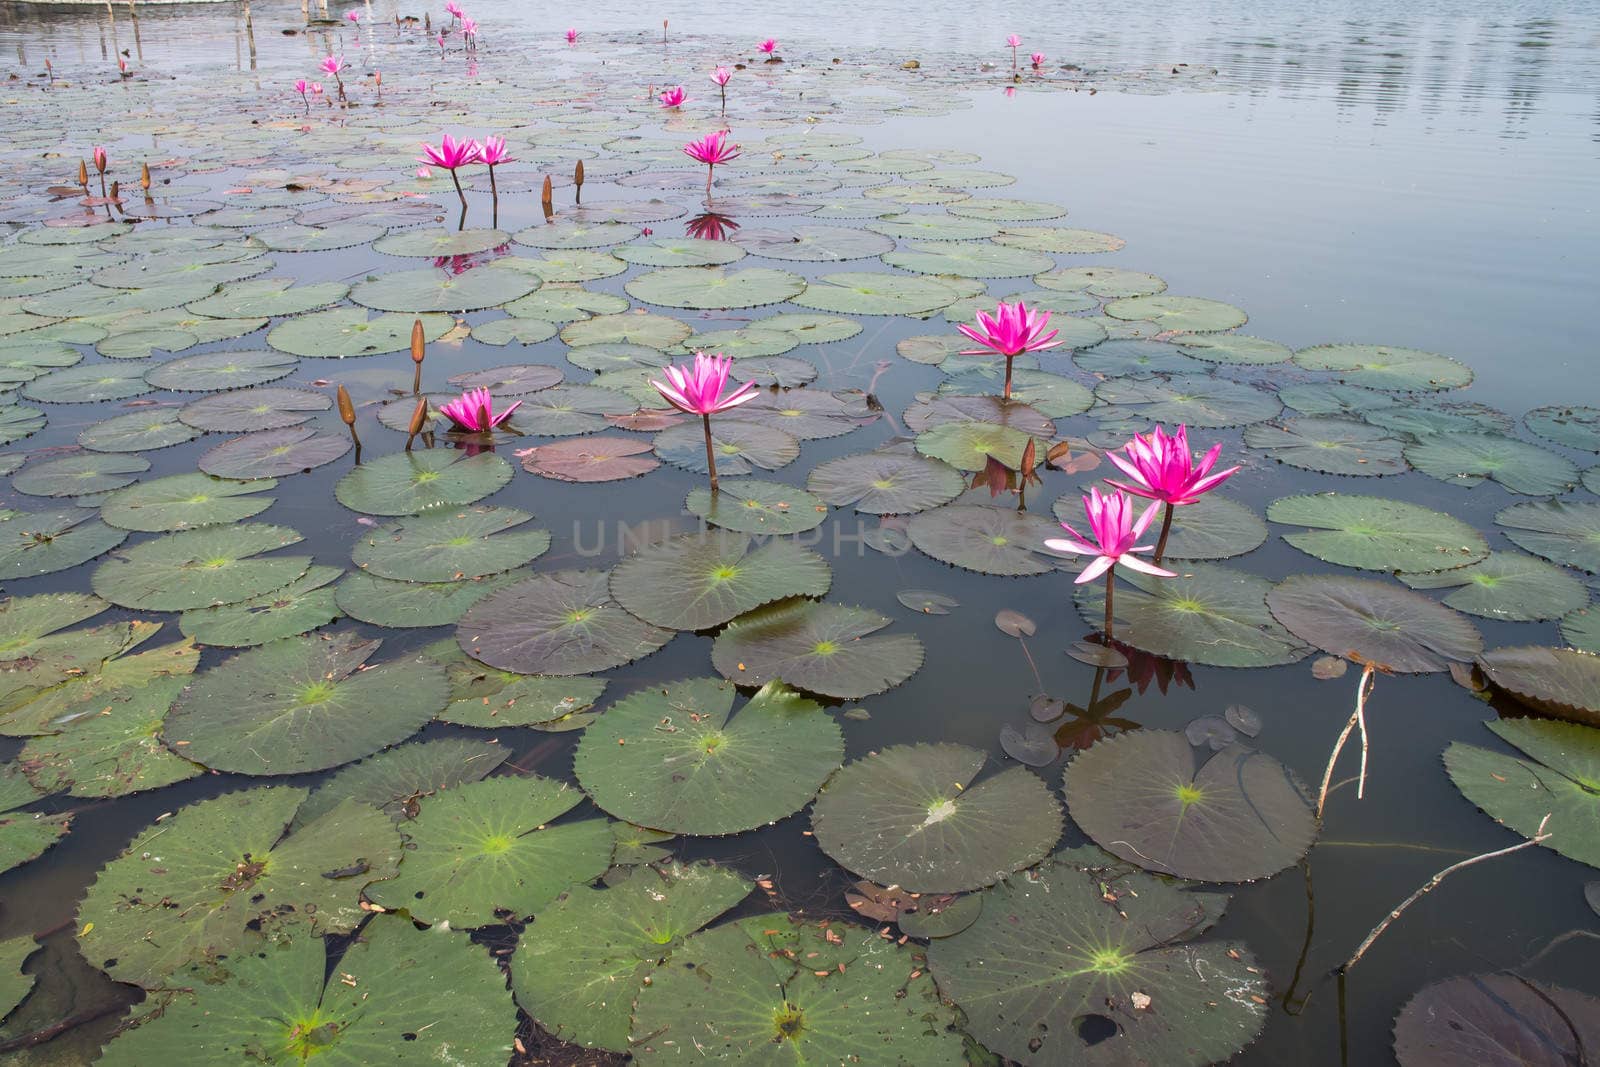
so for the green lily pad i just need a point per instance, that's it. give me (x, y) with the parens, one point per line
(196, 888)
(1420, 420)
(1469, 458)
(579, 973)
(1374, 622)
(1560, 777)
(1557, 681)
(560, 623)
(1328, 398)
(409, 483)
(185, 501)
(988, 540)
(515, 379)
(398, 995)
(667, 251)
(260, 408)
(1399, 370)
(18, 421)
(932, 228)
(1052, 395)
(782, 372)
(747, 505)
(384, 602)
(571, 409)
(869, 293)
(910, 816)
(575, 265)
(297, 238)
(269, 298)
(886, 483)
(1006, 209)
(1558, 531)
(24, 836)
(1085, 941)
(741, 447)
(112, 746)
(488, 698)
(14, 984)
(436, 289)
(1378, 534)
(274, 453)
(713, 288)
(1329, 446)
(566, 302)
(1235, 349)
(505, 331)
(1106, 282)
(451, 545)
(652, 331)
(397, 780)
(137, 431)
(969, 260)
(1509, 586)
(486, 849)
(200, 568)
(1061, 240)
(569, 233)
(1213, 527)
(210, 371)
(81, 475)
(1575, 427)
(1581, 630)
(669, 757)
(769, 989)
(1209, 403)
(43, 542)
(303, 704)
(442, 242)
(741, 344)
(1188, 314)
(702, 580)
(1115, 359)
(1148, 797)
(346, 332)
(300, 607)
(1499, 1019)
(821, 648)
(81, 385)
(33, 710)
(810, 243)
(1208, 614)
(968, 445)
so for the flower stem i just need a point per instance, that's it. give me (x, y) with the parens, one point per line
(493, 190)
(711, 456)
(1166, 528)
(1111, 577)
(710, 170)
(459, 193)
(1007, 394)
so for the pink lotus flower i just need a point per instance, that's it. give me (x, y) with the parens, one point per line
(711, 150)
(353, 16)
(452, 154)
(469, 30)
(316, 88)
(674, 97)
(697, 390)
(494, 152)
(572, 36)
(1037, 59)
(768, 46)
(1161, 468)
(721, 75)
(452, 9)
(647, 232)
(440, 39)
(1009, 332)
(473, 411)
(333, 65)
(1014, 42)
(1113, 533)
(302, 88)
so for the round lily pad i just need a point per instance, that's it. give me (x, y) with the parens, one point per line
(1208, 614)
(886, 483)
(409, 483)
(434, 289)
(18, 421)
(1560, 532)
(345, 332)
(811, 243)
(932, 228)
(303, 704)
(1557, 778)
(1495, 1020)
(821, 648)
(783, 372)
(220, 370)
(1399, 370)
(262, 408)
(1374, 622)
(1557, 681)
(297, 608)
(137, 431)
(1328, 398)
(1209, 403)
(1329, 446)
(1581, 630)
(570, 409)
(1083, 947)
(1105, 282)
(702, 580)
(200, 568)
(654, 331)
(750, 506)
(1150, 798)
(397, 780)
(43, 542)
(86, 384)
(1420, 420)
(569, 233)
(1575, 427)
(274, 453)
(868, 293)
(969, 445)
(740, 446)
(484, 697)
(184, 501)
(398, 995)
(603, 458)
(810, 415)
(670, 757)
(262, 298)
(1378, 534)
(408, 605)
(442, 242)
(1053, 395)
(1509, 586)
(297, 238)
(110, 748)
(1188, 314)
(1115, 359)
(969, 260)
(714, 288)
(91, 472)
(988, 540)
(226, 866)
(1006, 209)
(1468, 458)
(486, 850)
(1213, 527)
(1061, 240)
(450, 545)
(911, 816)
(560, 623)
(564, 303)
(1235, 348)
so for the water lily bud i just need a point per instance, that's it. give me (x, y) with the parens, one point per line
(144, 176)
(83, 173)
(116, 188)
(418, 342)
(577, 174)
(347, 410)
(546, 198)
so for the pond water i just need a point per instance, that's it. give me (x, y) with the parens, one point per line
(1339, 173)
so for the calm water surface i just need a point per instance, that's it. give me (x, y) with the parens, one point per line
(1422, 177)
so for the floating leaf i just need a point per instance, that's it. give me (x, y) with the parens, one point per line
(110, 748)
(196, 888)
(1560, 532)
(274, 453)
(1558, 778)
(486, 850)
(1400, 370)
(1468, 458)
(434, 289)
(671, 758)
(200, 568)
(1189, 314)
(1209, 403)
(969, 445)
(384, 602)
(43, 542)
(1083, 947)
(269, 298)
(713, 288)
(1509, 586)
(345, 332)
(442, 242)
(910, 816)
(570, 409)
(741, 447)
(184, 501)
(926, 601)
(1330, 399)
(868, 293)
(1114, 359)
(1378, 534)
(1329, 446)
(18, 421)
(560, 623)
(451, 545)
(1575, 427)
(1373, 622)
(757, 507)
(410, 483)
(397, 780)
(489, 698)
(79, 475)
(138, 431)
(603, 458)
(220, 370)
(969, 260)
(1213, 527)
(886, 483)
(303, 704)
(1235, 348)
(1495, 1020)
(299, 607)
(702, 580)
(263, 408)
(654, 331)
(984, 539)
(79, 385)
(821, 648)
(15, 985)
(1556, 681)
(24, 836)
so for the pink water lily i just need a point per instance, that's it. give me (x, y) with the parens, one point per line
(674, 97)
(1009, 332)
(768, 46)
(452, 154)
(1113, 531)
(696, 389)
(572, 36)
(1160, 467)
(452, 9)
(353, 16)
(711, 150)
(302, 87)
(469, 30)
(1037, 59)
(492, 154)
(333, 65)
(473, 411)
(720, 77)
(1013, 42)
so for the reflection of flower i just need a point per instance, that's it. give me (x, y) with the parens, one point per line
(710, 227)
(473, 411)
(1144, 668)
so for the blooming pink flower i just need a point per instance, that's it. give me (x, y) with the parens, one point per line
(1113, 531)
(301, 86)
(473, 411)
(647, 232)
(1013, 40)
(768, 46)
(721, 76)
(494, 152)
(572, 36)
(333, 65)
(316, 88)
(1037, 59)
(353, 16)
(451, 153)
(469, 28)
(1160, 467)
(711, 149)
(452, 9)
(440, 39)
(1010, 331)
(697, 388)
(674, 97)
